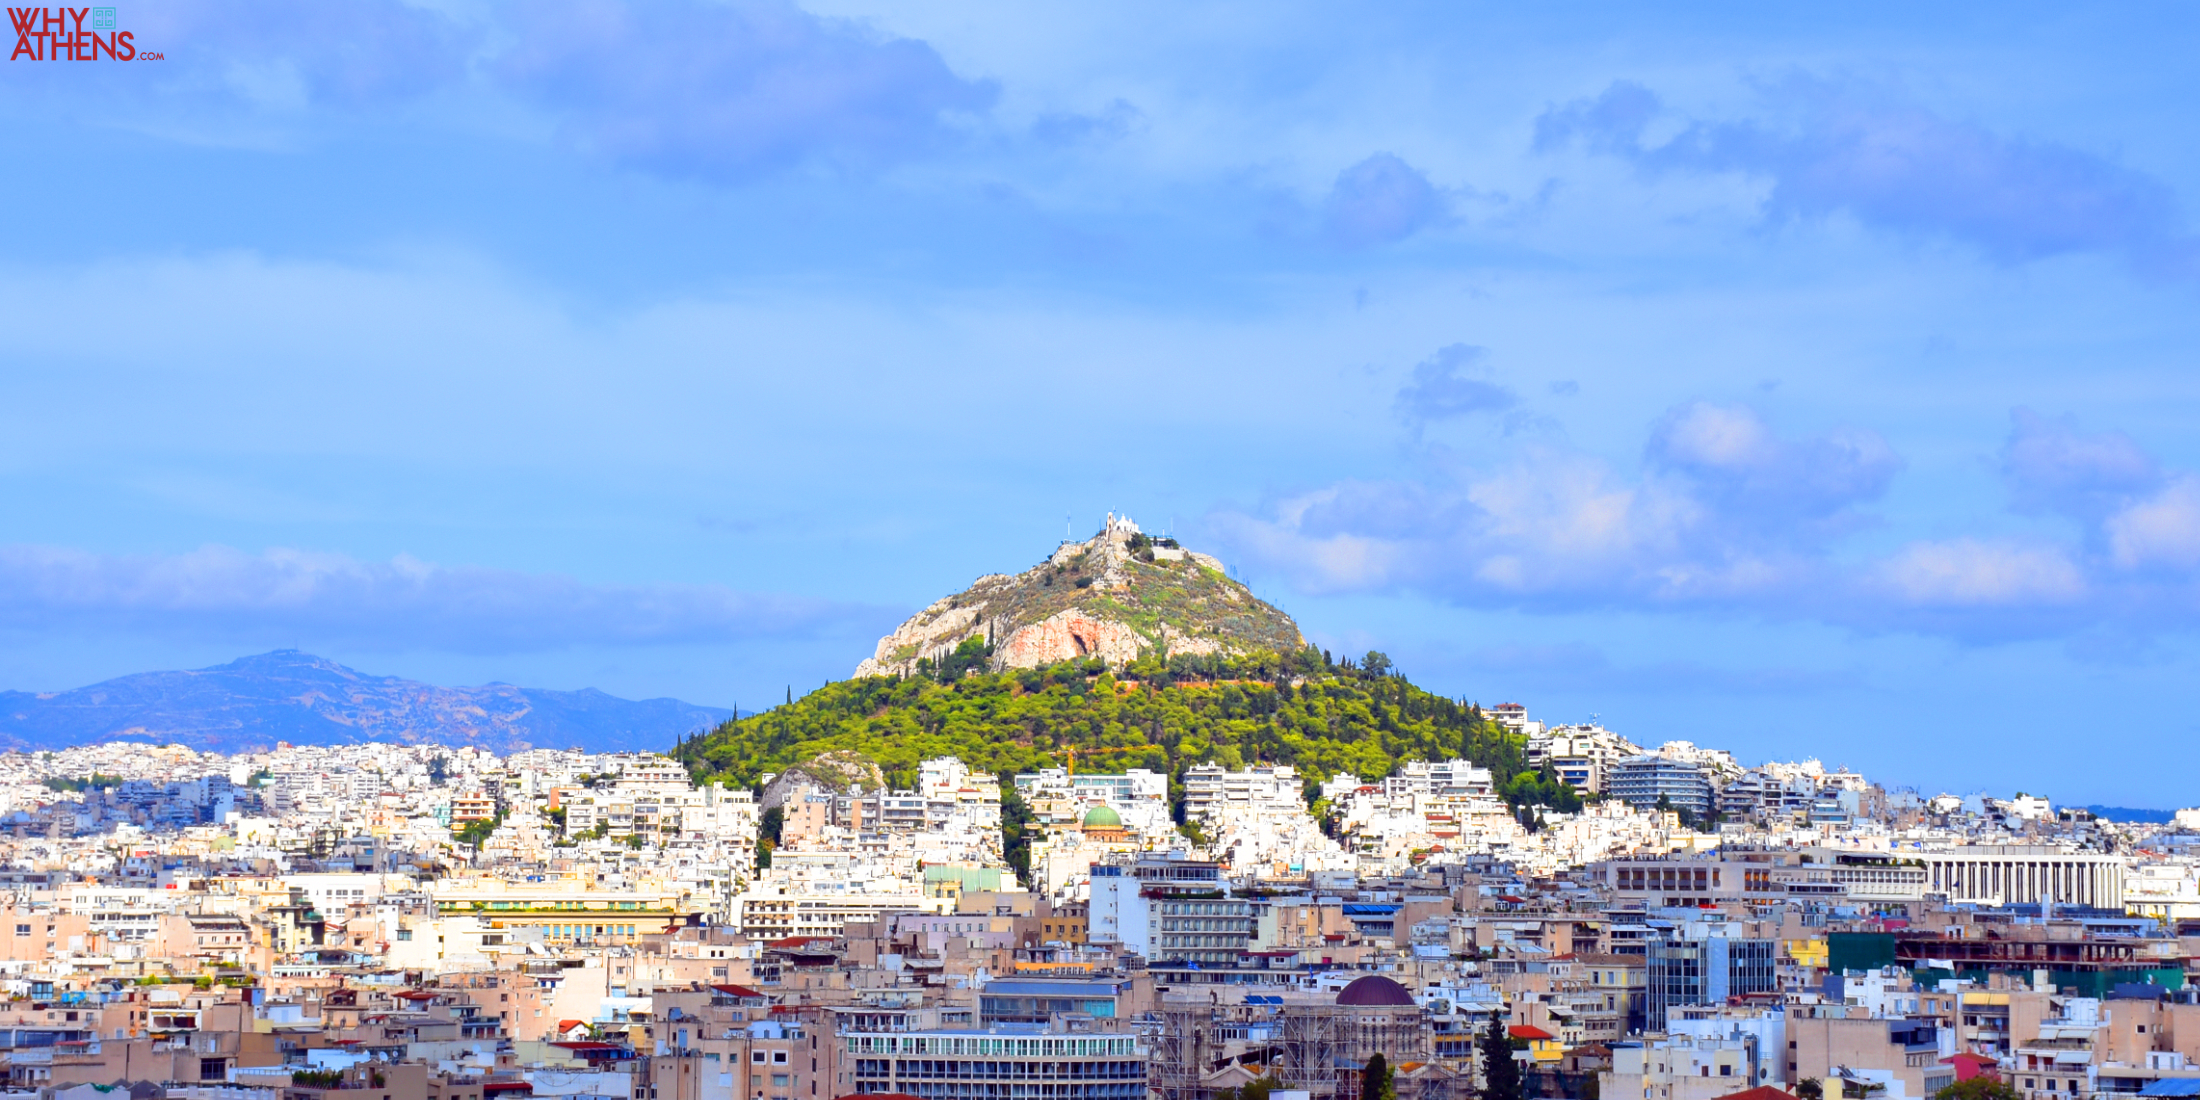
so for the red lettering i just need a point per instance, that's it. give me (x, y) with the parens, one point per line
(102, 42)
(22, 46)
(122, 43)
(78, 15)
(49, 22)
(23, 18)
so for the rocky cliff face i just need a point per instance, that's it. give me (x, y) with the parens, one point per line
(1114, 596)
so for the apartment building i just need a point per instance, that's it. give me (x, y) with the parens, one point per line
(1176, 913)
(1740, 874)
(1583, 756)
(1705, 966)
(1900, 1056)
(1649, 780)
(1208, 787)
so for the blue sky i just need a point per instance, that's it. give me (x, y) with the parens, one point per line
(1808, 382)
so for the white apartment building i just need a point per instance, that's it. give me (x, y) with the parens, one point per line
(1451, 779)
(1207, 787)
(1581, 755)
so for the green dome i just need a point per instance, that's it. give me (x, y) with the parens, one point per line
(1103, 817)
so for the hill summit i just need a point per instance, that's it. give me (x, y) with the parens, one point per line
(1115, 596)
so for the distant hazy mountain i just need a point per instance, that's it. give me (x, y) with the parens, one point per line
(290, 696)
(2126, 813)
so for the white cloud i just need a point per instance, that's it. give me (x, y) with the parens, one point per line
(295, 596)
(1728, 515)
(1831, 147)
(2050, 464)
(1380, 200)
(1721, 437)
(1975, 573)
(2158, 531)
(1552, 528)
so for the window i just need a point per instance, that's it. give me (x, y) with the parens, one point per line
(404, 935)
(25, 930)
(779, 1057)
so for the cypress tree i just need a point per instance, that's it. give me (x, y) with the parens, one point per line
(1375, 1082)
(1500, 1074)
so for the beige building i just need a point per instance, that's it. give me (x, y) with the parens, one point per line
(1828, 1042)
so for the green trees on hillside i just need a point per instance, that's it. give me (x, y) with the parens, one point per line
(477, 833)
(971, 655)
(92, 782)
(1016, 820)
(767, 836)
(1163, 714)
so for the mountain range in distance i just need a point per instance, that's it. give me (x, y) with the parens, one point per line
(252, 703)
(2127, 813)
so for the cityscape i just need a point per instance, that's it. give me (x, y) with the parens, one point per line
(976, 550)
(446, 922)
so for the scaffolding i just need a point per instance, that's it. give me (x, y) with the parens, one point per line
(1304, 1046)
(1182, 1052)
(1312, 1047)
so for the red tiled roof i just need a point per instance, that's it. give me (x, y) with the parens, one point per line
(1761, 1092)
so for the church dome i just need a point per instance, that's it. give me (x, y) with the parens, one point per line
(1374, 990)
(1102, 817)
